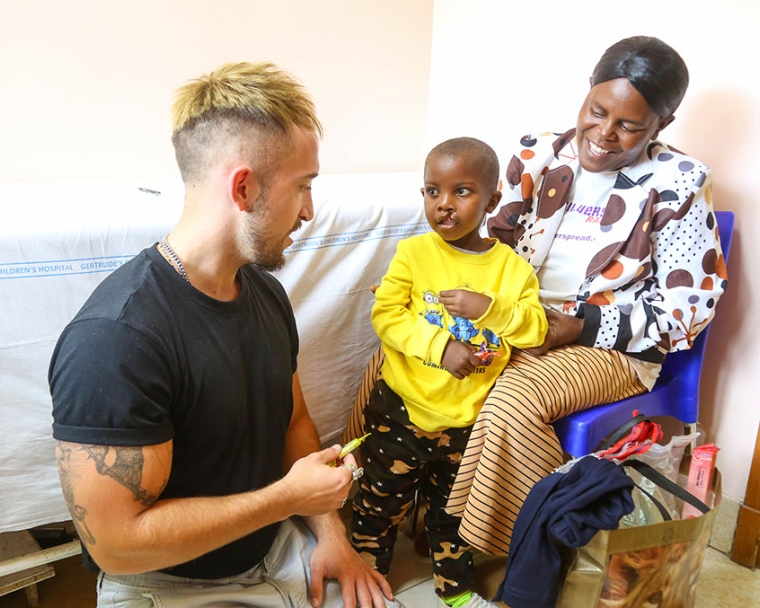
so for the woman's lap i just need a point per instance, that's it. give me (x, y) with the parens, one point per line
(513, 444)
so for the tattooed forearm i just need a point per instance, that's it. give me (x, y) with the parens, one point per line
(125, 465)
(78, 512)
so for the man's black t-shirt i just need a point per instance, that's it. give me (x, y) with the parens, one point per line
(150, 359)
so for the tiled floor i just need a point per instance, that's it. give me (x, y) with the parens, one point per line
(723, 584)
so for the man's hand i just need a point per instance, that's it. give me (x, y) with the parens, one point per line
(463, 303)
(563, 329)
(459, 359)
(334, 558)
(316, 487)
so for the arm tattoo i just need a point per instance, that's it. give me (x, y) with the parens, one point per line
(123, 464)
(78, 512)
(126, 468)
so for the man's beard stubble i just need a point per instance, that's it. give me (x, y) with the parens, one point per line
(260, 246)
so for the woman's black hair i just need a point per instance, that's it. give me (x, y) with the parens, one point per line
(653, 68)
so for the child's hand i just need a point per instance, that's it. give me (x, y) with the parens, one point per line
(463, 303)
(459, 359)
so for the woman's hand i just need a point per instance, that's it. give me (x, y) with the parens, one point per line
(563, 329)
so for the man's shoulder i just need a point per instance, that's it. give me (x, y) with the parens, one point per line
(127, 288)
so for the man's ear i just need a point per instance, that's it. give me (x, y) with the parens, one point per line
(664, 122)
(493, 201)
(242, 187)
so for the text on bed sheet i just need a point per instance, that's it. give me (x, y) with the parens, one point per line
(351, 238)
(55, 268)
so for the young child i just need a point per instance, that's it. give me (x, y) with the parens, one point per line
(448, 312)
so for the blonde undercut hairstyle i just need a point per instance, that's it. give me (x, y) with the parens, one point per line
(243, 109)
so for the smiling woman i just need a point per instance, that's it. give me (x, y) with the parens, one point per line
(635, 88)
(609, 218)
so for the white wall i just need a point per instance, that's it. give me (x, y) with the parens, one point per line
(87, 85)
(501, 69)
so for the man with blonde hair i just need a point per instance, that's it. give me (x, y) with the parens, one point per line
(186, 454)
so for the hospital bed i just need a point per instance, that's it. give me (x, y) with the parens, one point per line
(59, 240)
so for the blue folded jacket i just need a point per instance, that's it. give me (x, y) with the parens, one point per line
(566, 508)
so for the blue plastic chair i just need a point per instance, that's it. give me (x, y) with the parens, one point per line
(676, 392)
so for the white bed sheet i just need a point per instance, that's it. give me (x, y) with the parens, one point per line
(59, 240)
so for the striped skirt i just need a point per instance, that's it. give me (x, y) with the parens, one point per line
(513, 444)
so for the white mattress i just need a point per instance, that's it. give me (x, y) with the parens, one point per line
(58, 241)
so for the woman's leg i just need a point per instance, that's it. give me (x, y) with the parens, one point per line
(513, 444)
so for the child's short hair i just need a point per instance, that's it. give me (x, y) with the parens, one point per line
(249, 105)
(478, 151)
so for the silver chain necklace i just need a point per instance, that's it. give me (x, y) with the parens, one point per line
(174, 258)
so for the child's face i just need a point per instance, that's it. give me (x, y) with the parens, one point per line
(457, 200)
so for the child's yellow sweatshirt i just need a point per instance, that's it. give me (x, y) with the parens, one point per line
(415, 328)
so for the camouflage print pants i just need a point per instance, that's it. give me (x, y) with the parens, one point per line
(398, 459)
